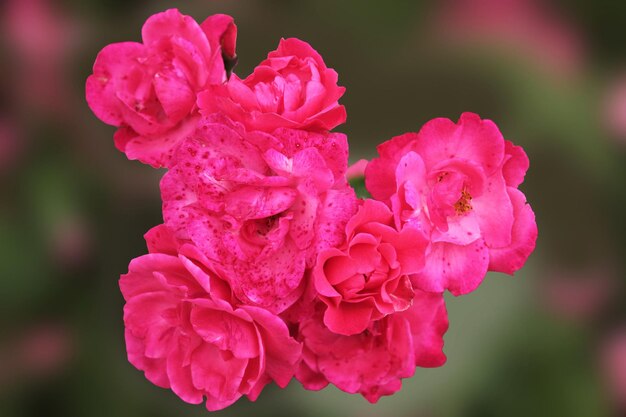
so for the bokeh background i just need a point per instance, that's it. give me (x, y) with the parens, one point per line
(549, 342)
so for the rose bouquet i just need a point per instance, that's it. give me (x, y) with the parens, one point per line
(268, 266)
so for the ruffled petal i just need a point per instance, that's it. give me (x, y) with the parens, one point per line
(459, 269)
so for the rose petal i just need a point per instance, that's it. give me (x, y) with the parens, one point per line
(459, 269)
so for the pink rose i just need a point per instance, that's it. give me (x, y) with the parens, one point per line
(612, 363)
(44, 38)
(149, 89)
(292, 88)
(374, 362)
(368, 278)
(458, 184)
(259, 206)
(539, 34)
(184, 333)
(614, 108)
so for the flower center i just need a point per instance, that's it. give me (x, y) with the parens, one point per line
(264, 226)
(463, 205)
(256, 231)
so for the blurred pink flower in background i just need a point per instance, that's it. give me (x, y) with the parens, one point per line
(41, 351)
(578, 295)
(528, 27)
(42, 38)
(71, 242)
(613, 366)
(615, 107)
(45, 349)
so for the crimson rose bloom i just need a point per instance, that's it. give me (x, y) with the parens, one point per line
(374, 361)
(260, 206)
(267, 265)
(149, 89)
(292, 88)
(458, 183)
(184, 333)
(369, 278)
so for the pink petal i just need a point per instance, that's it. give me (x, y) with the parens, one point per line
(221, 31)
(282, 351)
(327, 119)
(145, 312)
(179, 374)
(174, 93)
(111, 65)
(140, 278)
(494, 212)
(294, 47)
(337, 208)
(348, 318)
(217, 373)
(310, 164)
(429, 322)
(410, 248)
(154, 369)
(356, 170)
(371, 211)
(515, 165)
(471, 138)
(332, 147)
(160, 239)
(310, 379)
(158, 150)
(411, 168)
(320, 279)
(302, 229)
(220, 327)
(259, 202)
(459, 269)
(380, 173)
(171, 23)
(524, 236)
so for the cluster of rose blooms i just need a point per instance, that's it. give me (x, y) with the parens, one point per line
(268, 266)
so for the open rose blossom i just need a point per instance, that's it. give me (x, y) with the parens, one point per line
(458, 184)
(291, 88)
(369, 278)
(260, 206)
(149, 89)
(183, 331)
(267, 265)
(374, 361)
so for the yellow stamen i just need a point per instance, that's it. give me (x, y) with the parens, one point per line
(463, 205)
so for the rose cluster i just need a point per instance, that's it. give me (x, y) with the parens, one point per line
(268, 266)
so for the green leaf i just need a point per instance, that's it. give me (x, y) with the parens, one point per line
(358, 184)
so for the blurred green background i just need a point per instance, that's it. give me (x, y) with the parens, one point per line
(549, 342)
